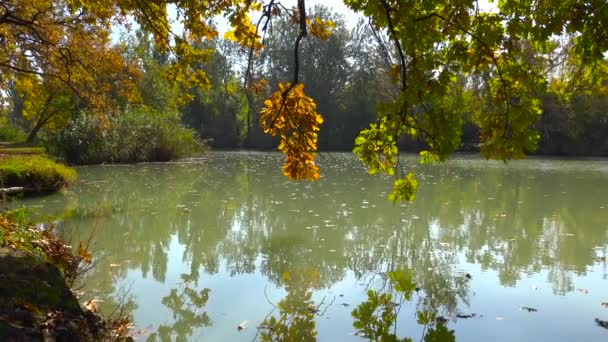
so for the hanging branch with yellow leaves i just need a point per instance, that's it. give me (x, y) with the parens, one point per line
(292, 114)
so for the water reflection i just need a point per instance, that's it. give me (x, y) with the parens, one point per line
(234, 215)
(187, 305)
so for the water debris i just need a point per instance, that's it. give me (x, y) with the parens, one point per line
(465, 316)
(601, 323)
(585, 291)
(345, 305)
(529, 309)
(567, 234)
(468, 276)
(535, 288)
(341, 295)
(242, 326)
(605, 305)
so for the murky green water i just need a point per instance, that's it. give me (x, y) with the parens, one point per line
(530, 233)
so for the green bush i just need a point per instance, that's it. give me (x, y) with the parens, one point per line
(136, 135)
(36, 173)
(10, 133)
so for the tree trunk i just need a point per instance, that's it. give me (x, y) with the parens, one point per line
(36, 129)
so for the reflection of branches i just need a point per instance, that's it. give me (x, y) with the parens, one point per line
(187, 311)
(375, 317)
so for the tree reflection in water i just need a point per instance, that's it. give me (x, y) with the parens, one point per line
(234, 215)
(187, 306)
(375, 319)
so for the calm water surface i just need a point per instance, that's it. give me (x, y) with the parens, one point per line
(200, 246)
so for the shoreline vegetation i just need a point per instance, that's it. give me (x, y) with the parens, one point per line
(32, 173)
(37, 274)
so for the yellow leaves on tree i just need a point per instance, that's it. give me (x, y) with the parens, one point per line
(292, 114)
(243, 31)
(320, 28)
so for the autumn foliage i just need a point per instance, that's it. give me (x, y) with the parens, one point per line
(292, 114)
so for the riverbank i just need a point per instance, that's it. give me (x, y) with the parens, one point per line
(37, 271)
(27, 170)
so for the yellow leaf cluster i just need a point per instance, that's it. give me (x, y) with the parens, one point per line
(292, 114)
(320, 28)
(243, 31)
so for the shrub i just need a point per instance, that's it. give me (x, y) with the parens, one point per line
(135, 135)
(34, 173)
(12, 134)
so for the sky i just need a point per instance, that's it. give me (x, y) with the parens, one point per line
(337, 6)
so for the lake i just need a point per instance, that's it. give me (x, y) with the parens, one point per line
(195, 248)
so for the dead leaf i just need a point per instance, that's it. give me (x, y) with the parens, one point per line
(466, 316)
(242, 326)
(84, 253)
(92, 305)
(602, 323)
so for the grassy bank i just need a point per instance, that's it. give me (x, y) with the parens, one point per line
(32, 173)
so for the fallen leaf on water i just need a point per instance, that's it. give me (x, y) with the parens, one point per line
(466, 316)
(242, 326)
(602, 323)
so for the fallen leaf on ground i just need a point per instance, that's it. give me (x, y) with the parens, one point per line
(91, 305)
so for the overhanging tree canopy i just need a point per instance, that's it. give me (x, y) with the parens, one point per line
(432, 44)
